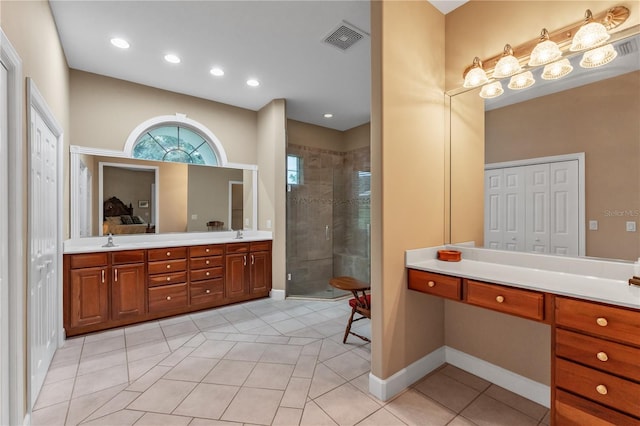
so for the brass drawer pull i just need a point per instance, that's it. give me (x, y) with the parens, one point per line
(168, 266)
(207, 262)
(601, 389)
(499, 299)
(168, 253)
(602, 322)
(208, 273)
(431, 284)
(602, 356)
(168, 278)
(168, 297)
(208, 291)
(207, 250)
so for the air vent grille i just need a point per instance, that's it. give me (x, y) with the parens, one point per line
(343, 37)
(627, 48)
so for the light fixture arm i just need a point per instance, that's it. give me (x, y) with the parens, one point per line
(610, 18)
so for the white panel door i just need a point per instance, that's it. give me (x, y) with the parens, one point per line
(537, 208)
(514, 207)
(43, 226)
(493, 208)
(564, 207)
(4, 246)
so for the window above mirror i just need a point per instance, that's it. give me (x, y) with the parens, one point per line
(175, 144)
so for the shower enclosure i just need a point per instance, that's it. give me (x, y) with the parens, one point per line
(328, 219)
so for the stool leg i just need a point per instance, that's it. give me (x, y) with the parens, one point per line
(348, 329)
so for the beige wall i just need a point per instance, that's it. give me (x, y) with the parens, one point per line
(209, 196)
(407, 167)
(357, 137)
(306, 134)
(607, 131)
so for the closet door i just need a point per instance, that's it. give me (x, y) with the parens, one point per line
(537, 208)
(514, 233)
(493, 208)
(564, 208)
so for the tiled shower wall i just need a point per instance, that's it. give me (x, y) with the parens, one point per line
(328, 217)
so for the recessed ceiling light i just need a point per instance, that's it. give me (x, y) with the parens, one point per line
(120, 42)
(172, 58)
(328, 115)
(218, 72)
(253, 82)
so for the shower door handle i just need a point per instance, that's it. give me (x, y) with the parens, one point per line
(326, 232)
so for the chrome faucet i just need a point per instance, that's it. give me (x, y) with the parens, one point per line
(109, 241)
(239, 234)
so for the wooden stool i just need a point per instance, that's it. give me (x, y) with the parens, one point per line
(361, 302)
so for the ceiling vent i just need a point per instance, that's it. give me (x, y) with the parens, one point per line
(627, 47)
(344, 36)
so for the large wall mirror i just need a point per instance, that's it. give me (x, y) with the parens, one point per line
(590, 116)
(160, 197)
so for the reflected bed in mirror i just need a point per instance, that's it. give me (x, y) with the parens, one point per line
(593, 116)
(167, 197)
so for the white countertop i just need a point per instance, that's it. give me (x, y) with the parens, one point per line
(147, 241)
(603, 281)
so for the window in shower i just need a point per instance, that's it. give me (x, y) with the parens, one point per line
(294, 170)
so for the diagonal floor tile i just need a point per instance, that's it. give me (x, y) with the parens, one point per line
(163, 396)
(263, 402)
(346, 405)
(207, 400)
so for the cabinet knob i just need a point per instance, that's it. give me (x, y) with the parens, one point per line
(602, 322)
(207, 262)
(601, 389)
(431, 284)
(602, 356)
(168, 266)
(168, 253)
(208, 291)
(208, 273)
(207, 250)
(168, 278)
(499, 299)
(168, 297)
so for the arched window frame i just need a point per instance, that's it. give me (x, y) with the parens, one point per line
(180, 120)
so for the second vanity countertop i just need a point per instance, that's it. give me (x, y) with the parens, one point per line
(588, 279)
(149, 241)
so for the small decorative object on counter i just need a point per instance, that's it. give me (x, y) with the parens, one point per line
(449, 255)
(634, 281)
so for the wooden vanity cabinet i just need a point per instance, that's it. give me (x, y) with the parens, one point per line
(167, 280)
(260, 268)
(128, 291)
(596, 364)
(86, 294)
(206, 275)
(248, 270)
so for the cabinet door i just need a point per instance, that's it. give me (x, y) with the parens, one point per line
(128, 291)
(236, 276)
(89, 302)
(260, 272)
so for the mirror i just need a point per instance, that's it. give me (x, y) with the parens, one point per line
(166, 197)
(595, 114)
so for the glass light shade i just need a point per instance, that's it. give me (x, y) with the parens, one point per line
(508, 65)
(544, 52)
(492, 90)
(557, 70)
(476, 75)
(589, 35)
(598, 57)
(521, 81)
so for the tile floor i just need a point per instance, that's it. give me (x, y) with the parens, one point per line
(259, 363)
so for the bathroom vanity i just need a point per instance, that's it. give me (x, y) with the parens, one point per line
(593, 312)
(143, 279)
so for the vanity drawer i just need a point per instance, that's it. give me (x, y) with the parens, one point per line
(601, 354)
(205, 274)
(603, 388)
(127, 256)
(167, 253)
(88, 260)
(435, 284)
(237, 248)
(164, 279)
(260, 245)
(205, 262)
(524, 303)
(167, 266)
(167, 297)
(618, 324)
(209, 250)
(205, 292)
(571, 410)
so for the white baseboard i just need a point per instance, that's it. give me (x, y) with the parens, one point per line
(509, 380)
(277, 294)
(385, 389)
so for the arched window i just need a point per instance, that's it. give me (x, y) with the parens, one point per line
(175, 138)
(174, 143)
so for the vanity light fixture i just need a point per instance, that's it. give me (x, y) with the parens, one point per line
(253, 82)
(546, 51)
(508, 64)
(492, 90)
(591, 34)
(218, 72)
(120, 42)
(476, 75)
(557, 70)
(598, 57)
(521, 81)
(171, 58)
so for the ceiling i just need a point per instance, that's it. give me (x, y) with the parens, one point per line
(280, 43)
